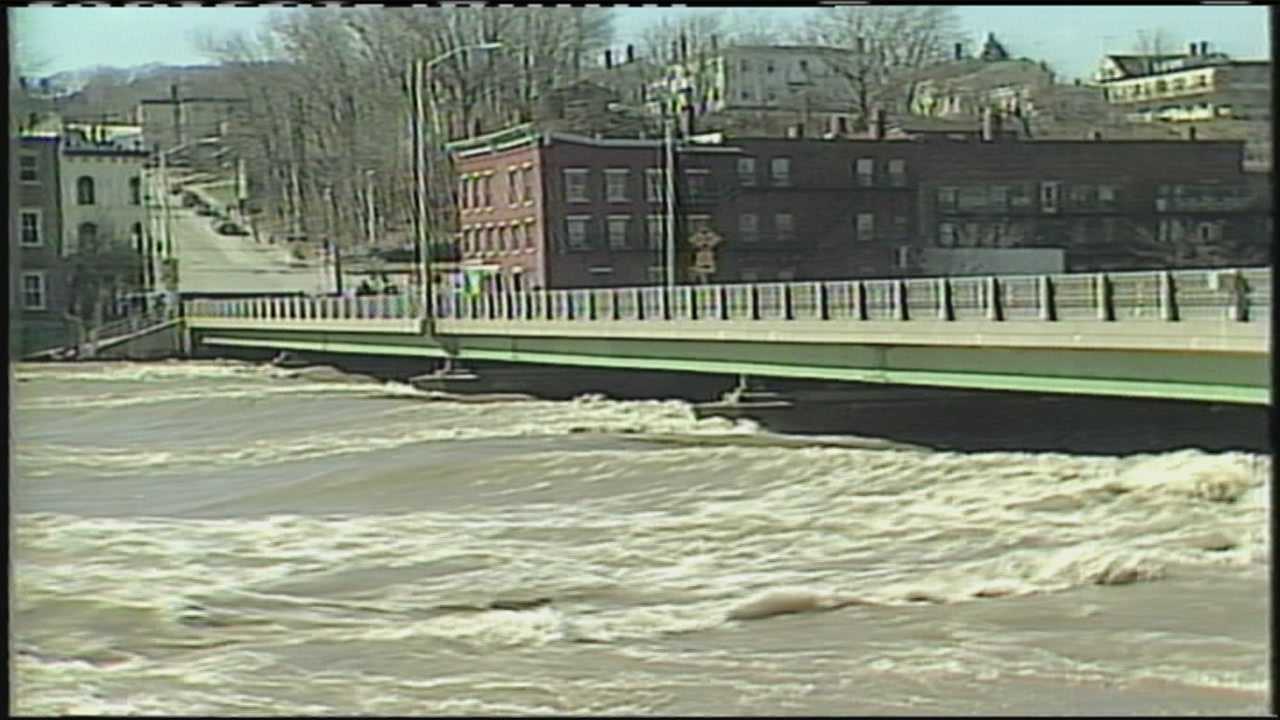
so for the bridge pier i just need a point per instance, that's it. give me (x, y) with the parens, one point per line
(450, 376)
(747, 394)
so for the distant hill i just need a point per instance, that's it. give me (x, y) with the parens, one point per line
(115, 92)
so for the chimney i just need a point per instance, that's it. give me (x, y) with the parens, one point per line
(1204, 48)
(173, 92)
(631, 53)
(715, 43)
(684, 48)
(1191, 133)
(1191, 49)
(878, 128)
(608, 59)
(959, 51)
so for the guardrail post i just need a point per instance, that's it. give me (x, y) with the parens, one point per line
(639, 301)
(1102, 287)
(859, 300)
(821, 299)
(944, 299)
(993, 298)
(754, 294)
(1044, 291)
(667, 299)
(900, 299)
(722, 305)
(1168, 311)
(1239, 289)
(591, 305)
(787, 312)
(691, 297)
(548, 312)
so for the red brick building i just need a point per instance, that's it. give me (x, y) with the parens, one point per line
(559, 210)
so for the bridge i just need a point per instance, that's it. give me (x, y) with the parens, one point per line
(1179, 334)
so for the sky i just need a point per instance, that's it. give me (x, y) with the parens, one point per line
(1069, 37)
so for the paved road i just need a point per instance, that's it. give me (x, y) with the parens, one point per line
(213, 263)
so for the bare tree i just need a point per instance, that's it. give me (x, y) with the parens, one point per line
(887, 48)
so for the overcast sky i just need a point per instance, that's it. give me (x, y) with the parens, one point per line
(1069, 37)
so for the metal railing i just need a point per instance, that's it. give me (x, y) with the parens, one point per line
(1234, 294)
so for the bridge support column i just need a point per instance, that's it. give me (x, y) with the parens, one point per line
(747, 394)
(449, 377)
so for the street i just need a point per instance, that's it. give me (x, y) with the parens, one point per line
(212, 263)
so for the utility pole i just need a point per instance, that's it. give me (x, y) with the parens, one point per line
(670, 196)
(420, 185)
(371, 220)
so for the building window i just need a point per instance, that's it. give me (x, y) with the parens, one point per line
(785, 226)
(768, 68)
(136, 233)
(749, 227)
(513, 187)
(1107, 196)
(744, 66)
(575, 185)
(577, 231)
(508, 239)
(528, 184)
(866, 227)
(462, 193)
(615, 184)
(488, 191)
(87, 235)
(804, 66)
(947, 234)
(999, 196)
(697, 183)
(1049, 192)
(653, 231)
(653, 184)
(947, 198)
(28, 168)
(898, 173)
(780, 171)
(522, 236)
(135, 190)
(84, 190)
(1018, 196)
(618, 226)
(747, 172)
(31, 235)
(33, 297)
(865, 171)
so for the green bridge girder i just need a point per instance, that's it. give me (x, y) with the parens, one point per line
(1215, 362)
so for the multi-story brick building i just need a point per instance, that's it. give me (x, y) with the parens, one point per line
(41, 282)
(556, 210)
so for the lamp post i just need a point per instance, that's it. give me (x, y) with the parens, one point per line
(419, 72)
(166, 230)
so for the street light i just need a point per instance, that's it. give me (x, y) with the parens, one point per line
(419, 72)
(166, 234)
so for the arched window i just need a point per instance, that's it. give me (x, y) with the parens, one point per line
(84, 190)
(87, 235)
(135, 190)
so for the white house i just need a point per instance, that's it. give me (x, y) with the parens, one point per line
(102, 191)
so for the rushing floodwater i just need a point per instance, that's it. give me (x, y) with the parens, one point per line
(223, 538)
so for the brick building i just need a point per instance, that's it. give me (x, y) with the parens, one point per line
(42, 278)
(558, 210)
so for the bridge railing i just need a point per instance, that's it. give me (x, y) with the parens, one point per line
(1231, 294)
